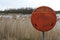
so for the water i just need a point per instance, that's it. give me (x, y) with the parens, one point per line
(58, 15)
(17, 16)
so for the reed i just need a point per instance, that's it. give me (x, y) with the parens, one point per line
(21, 29)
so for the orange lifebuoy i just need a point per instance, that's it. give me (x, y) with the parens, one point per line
(43, 18)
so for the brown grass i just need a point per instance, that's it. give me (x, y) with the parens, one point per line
(21, 29)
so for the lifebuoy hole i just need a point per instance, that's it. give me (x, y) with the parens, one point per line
(52, 24)
(35, 24)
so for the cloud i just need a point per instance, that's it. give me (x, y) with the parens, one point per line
(51, 3)
(29, 3)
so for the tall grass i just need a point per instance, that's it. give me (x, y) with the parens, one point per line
(20, 28)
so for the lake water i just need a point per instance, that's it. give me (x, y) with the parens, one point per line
(58, 15)
(21, 15)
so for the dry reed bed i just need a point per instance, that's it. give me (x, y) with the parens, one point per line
(21, 29)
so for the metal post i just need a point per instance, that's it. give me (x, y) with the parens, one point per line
(42, 35)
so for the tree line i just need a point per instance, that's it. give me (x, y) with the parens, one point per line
(20, 11)
(17, 11)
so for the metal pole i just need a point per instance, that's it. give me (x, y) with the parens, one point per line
(42, 35)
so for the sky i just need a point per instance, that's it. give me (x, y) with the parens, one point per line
(7, 4)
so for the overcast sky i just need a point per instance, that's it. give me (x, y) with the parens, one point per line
(6, 4)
